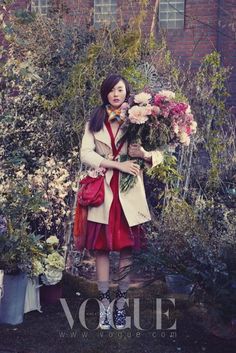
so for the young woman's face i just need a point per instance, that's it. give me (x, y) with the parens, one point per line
(117, 95)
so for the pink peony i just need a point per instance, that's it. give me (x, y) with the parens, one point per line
(178, 108)
(165, 111)
(148, 109)
(155, 110)
(137, 115)
(188, 130)
(159, 100)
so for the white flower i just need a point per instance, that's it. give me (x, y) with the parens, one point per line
(168, 94)
(51, 276)
(157, 157)
(184, 138)
(52, 240)
(193, 126)
(55, 260)
(43, 209)
(142, 98)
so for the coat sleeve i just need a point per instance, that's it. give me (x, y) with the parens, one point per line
(87, 150)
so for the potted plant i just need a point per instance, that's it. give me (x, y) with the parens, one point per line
(52, 270)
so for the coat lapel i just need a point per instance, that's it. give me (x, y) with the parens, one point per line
(121, 132)
(103, 136)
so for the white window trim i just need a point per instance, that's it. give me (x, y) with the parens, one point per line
(38, 8)
(110, 16)
(178, 18)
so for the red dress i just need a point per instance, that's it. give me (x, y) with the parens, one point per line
(117, 234)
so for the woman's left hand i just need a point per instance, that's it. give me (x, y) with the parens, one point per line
(135, 150)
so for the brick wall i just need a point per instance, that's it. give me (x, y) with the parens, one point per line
(78, 11)
(197, 38)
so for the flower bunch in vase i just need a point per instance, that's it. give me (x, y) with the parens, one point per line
(52, 264)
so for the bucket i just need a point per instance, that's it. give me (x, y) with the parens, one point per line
(13, 299)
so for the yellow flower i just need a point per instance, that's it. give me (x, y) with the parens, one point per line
(56, 260)
(52, 240)
(37, 267)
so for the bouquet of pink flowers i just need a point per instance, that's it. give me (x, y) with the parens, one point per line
(157, 121)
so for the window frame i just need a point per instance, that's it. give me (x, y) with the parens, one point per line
(38, 8)
(177, 17)
(109, 17)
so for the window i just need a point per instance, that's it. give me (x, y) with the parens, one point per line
(40, 6)
(104, 12)
(171, 13)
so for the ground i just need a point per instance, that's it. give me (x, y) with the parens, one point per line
(50, 332)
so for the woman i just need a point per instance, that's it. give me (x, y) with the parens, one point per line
(116, 224)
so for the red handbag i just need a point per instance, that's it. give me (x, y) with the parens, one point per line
(91, 192)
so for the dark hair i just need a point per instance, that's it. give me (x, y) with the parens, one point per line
(98, 116)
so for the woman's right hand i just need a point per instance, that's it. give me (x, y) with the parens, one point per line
(129, 167)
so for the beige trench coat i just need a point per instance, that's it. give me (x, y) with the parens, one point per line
(134, 203)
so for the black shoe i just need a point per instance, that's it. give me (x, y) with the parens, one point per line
(120, 318)
(120, 314)
(105, 316)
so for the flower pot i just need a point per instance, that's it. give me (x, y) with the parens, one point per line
(13, 300)
(50, 294)
(32, 295)
(178, 284)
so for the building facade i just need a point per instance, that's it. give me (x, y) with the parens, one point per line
(193, 28)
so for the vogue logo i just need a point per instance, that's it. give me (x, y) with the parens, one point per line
(159, 314)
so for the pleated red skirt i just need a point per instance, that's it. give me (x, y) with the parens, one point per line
(117, 234)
